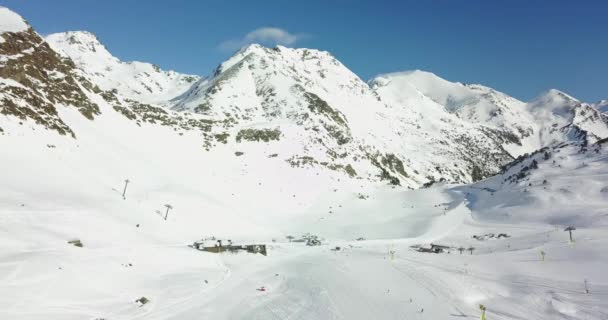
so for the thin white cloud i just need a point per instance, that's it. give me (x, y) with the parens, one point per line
(266, 36)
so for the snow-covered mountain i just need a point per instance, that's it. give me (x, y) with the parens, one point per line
(564, 118)
(279, 142)
(548, 185)
(550, 118)
(409, 128)
(140, 81)
(602, 105)
(35, 80)
(323, 110)
(11, 22)
(476, 104)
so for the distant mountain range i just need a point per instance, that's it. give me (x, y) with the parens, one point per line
(301, 106)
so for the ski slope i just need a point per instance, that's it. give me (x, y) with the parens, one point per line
(360, 281)
(59, 190)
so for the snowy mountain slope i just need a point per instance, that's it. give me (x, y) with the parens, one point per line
(521, 127)
(560, 114)
(311, 107)
(135, 80)
(356, 140)
(475, 104)
(554, 181)
(332, 112)
(601, 106)
(35, 81)
(76, 194)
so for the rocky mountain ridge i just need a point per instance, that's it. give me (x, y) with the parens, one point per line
(410, 128)
(136, 80)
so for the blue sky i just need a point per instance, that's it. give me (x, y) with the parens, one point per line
(521, 47)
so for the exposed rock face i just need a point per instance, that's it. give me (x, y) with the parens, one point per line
(35, 81)
(140, 81)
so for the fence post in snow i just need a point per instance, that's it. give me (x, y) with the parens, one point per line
(125, 189)
(168, 208)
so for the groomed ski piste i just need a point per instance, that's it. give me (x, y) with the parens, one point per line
(52, 195)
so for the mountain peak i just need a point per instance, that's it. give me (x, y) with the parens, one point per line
(417, 78)
(266, 54)
(251, 48)
(141, 81)
(80, 36)
(259, 48)
(262, 49)
(553, 99)
(421, 73)
(11, 21)
(555, 93)
(72, 43)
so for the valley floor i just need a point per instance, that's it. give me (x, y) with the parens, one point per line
(360, 281)
(364, 283)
